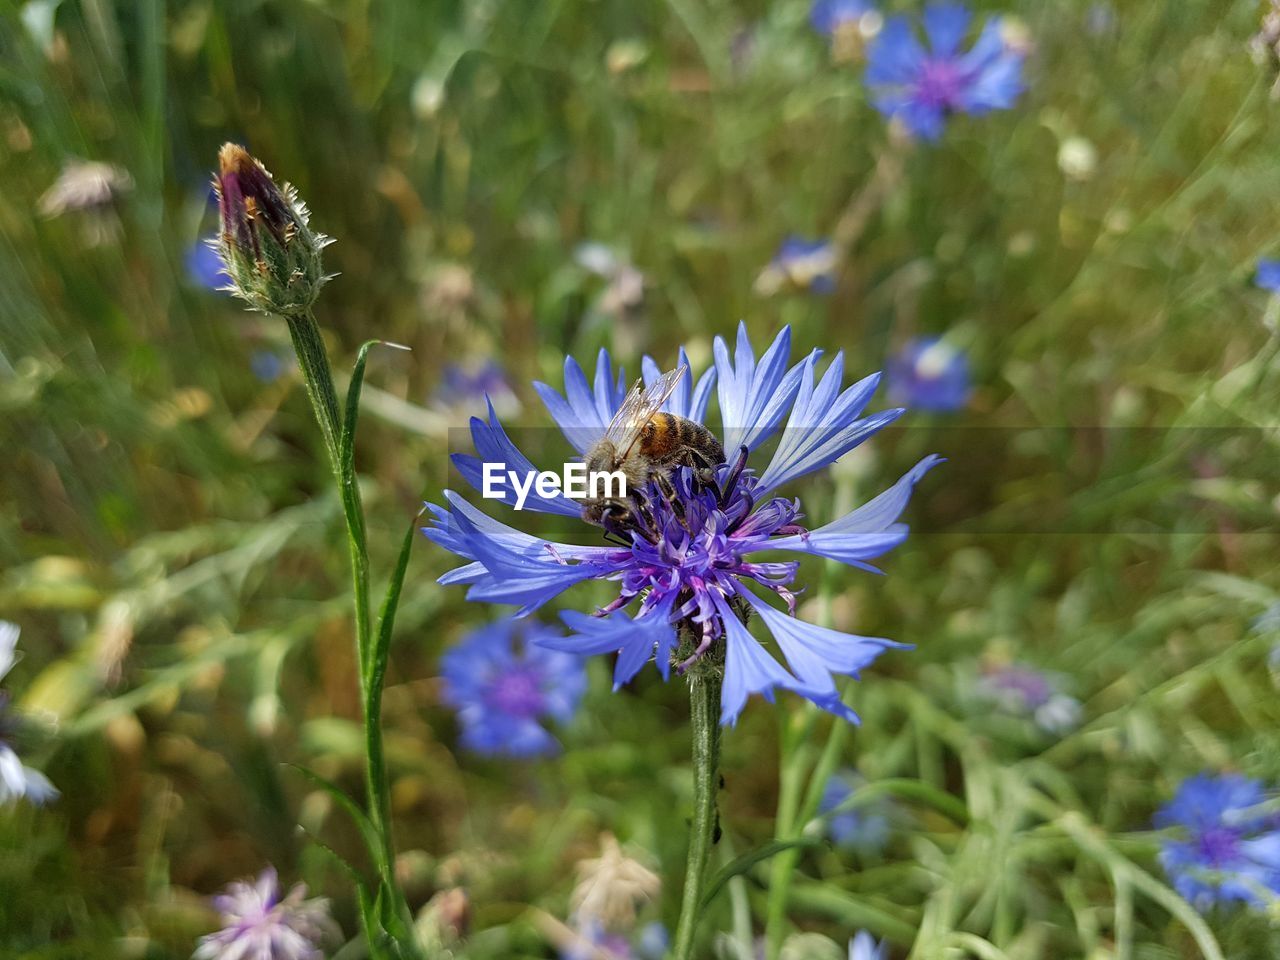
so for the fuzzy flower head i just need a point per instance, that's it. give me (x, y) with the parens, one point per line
(505, 686)
(930, 374)
(1228, 845)
(923, 84)
(688, 563)
(258, 924)
(267, 248)
(17, 781)
(800, 264)
(864, 829)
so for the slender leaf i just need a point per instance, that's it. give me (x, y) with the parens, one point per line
(740, 865)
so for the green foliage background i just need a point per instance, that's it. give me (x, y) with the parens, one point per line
(171, 547)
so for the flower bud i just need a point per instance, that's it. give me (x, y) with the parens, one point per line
(270, 254)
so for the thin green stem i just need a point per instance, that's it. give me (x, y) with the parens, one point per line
(314, 361)
(704, 709)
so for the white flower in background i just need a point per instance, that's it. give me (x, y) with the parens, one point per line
(17, 781)
(85, 185)
(258, 924)
(610, 886)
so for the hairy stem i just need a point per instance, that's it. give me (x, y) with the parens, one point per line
(318, 377)
(704, 704)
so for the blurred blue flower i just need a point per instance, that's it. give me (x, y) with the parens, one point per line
(593, 940)
(466, 386)
(259, 924)
(828, 16)
(504, 686)
(1024, 690)
(17, 781)
(1229, 849)
(923, 86)
(688, 559)
(267, 365)
(205, 267)
(929, 374)
(801, 265)
(864, 829)
(864, 947)
(1268, 275)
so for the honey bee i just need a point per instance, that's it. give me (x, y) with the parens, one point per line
(645, 443)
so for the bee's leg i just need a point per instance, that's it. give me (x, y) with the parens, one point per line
(704, 473)
(668, 491)
(612, 519)
(642, 510)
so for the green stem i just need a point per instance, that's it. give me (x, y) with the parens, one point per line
(704, 709)
(309, 346)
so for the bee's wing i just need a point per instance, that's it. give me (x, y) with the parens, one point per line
(638, 408)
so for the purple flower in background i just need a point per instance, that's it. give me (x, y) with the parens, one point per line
(260, 925)
(800, 264)
(17, 781)
(690, 561)
(504, 686)
(1229, 849)
(929, 374)
(1029, 692)
(1268, 275)
(865, 828)
(466, 386)
(922, 86)
(864, 947)
(829, 16)
(205, 267)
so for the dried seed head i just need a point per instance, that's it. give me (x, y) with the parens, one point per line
(271, 255)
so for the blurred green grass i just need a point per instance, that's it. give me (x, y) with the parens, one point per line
(170, 557)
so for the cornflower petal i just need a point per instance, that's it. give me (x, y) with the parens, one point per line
(754, 397)
(823, 425)
(866, 532)
(945, 24)
(494, 446)
(748, 667)
(584, 412)
(687, 400)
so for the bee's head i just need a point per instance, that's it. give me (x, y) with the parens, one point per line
(602, 458)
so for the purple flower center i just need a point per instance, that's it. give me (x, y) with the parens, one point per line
(940, 83)
(517, 694)
(1219, 846)
(689, 547)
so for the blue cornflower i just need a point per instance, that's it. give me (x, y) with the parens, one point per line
(1268, 275)
(205, 266)
(801, 265)
(691, 558)
(922, 87)
(260, 924)
(504, 686)
(17, 781)
(929, 374)
(864, 829)
(1230, 850)
(829, 16)
(864, 947)
(267, 365)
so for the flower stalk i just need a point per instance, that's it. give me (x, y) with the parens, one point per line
(705, 681)
(273, 260)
